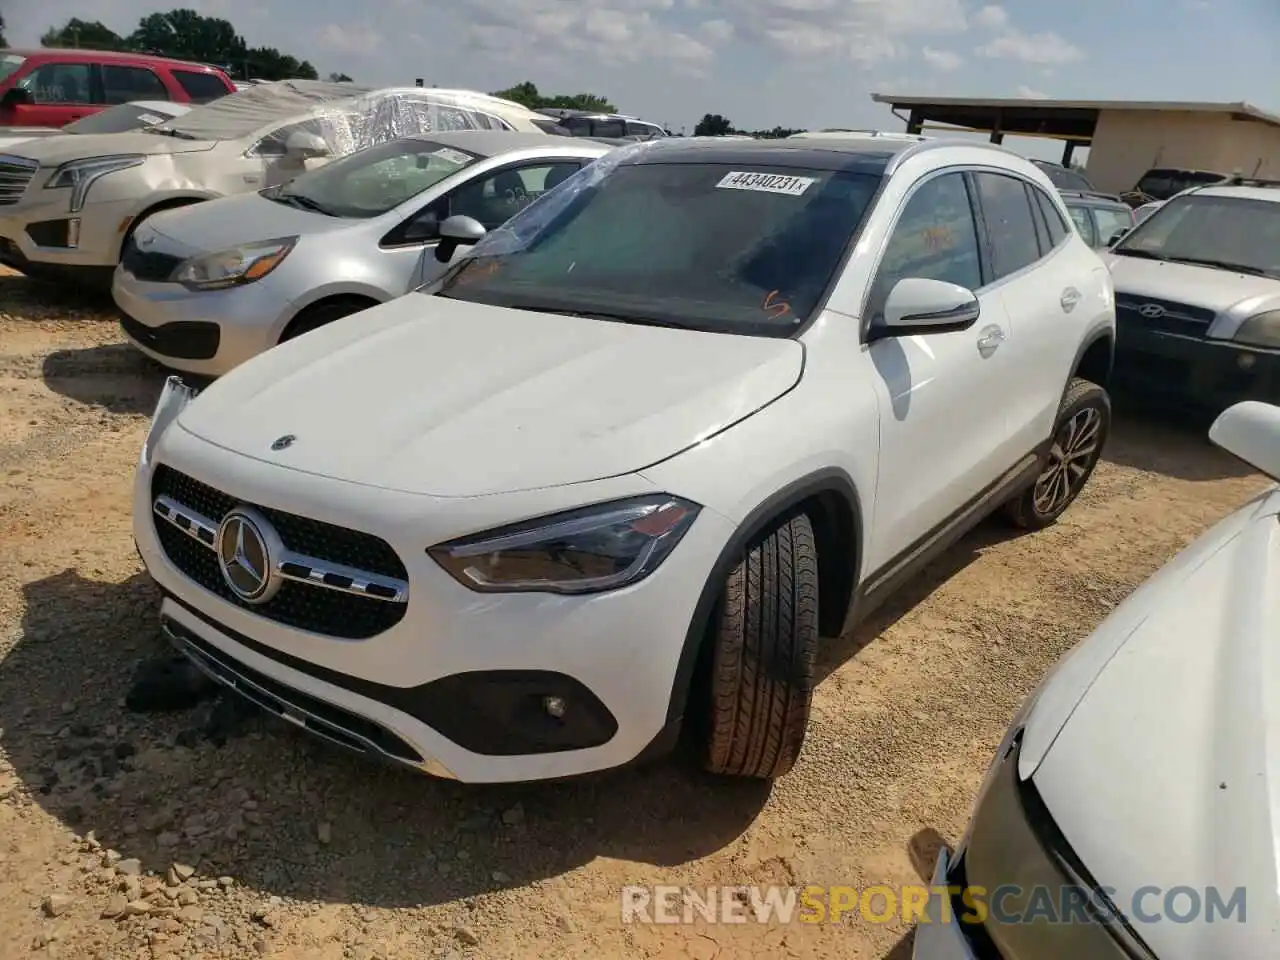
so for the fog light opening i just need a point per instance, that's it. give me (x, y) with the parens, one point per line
(554, 706)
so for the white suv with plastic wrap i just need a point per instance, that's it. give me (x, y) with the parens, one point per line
(624, 463)
(69, 203)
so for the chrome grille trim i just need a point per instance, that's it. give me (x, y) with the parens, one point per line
(15, 174)
(293, 566)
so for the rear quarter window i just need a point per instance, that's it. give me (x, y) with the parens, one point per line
(200, 87)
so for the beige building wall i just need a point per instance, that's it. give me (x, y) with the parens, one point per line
(1127, 143)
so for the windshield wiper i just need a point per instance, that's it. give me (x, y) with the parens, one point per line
(598, 315)
(177, 135)
(1221, 265)
(304, 202)
(1140, 254)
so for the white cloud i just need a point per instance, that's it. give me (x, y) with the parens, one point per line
(1043, 48)
(991, 17)
(943, 60)
(350, 39)
(717, 31)
(1030, 93)
(613, 31)
(863, 31)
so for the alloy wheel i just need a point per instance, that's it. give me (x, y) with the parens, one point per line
(1074, 450)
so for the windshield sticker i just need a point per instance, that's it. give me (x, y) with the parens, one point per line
(766, 183)
(150, 118)
(452, 156)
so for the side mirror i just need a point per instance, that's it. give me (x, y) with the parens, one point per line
(303, 145)
(1250, 431)
(1118, 236)
(916, 305)
(15, 96)
(458, 231)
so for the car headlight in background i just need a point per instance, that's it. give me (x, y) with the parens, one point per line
(597, 548)
(80, 175)
(229, 268)
(1261, 330)
(174, 396)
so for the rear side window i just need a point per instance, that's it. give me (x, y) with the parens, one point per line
(1010, 227)
(608, 128)
(122, 84)
(1057, 227)
(200, 87)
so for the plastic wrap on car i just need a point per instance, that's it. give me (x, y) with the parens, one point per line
(524, 226)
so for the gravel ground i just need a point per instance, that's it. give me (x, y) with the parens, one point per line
(208, 833)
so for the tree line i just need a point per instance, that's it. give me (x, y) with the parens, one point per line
(186, 35)
(715, 125)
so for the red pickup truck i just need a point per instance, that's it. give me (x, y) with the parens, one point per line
(52, 87)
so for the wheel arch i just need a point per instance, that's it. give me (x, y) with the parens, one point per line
(344, 296)
(168, 203)
(830, 499)
(1095, 358)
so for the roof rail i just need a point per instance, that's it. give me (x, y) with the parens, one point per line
(1236, 180)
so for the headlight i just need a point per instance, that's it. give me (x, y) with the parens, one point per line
(174, 396)
(1262, 330)
(229, 268)
(597, 548)
(80, 175)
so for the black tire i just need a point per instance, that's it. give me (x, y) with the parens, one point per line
(764, 644)
(319, 314)
(1079, 434)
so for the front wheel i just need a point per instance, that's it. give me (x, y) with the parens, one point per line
(1084, 420)
(764, 644)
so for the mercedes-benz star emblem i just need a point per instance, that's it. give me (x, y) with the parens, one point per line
(247, 548)
(1151, 311)
(280, 443)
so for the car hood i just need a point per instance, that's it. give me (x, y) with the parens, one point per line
(1186, 283)
(231, 221)
(1167, 773)
(54, 151)
(436, 396)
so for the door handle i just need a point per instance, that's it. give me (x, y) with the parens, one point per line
(990, 340)
(1070, 297)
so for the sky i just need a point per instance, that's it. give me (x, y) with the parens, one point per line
(761, 63)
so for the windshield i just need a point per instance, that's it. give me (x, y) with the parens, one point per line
(118, 119)
(372, 181)
(1233, 233)
(9, 64)
(1163, 184)
(734, 248)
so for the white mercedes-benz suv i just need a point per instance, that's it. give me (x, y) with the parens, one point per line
(618, 470)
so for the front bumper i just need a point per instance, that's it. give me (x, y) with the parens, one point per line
(35, 233)
(206, 333)
(450, 679)
(1213, 373)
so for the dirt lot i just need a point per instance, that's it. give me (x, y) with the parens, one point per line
(299, 851)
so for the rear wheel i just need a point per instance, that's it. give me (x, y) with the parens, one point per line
(1084, 420)
(764, 644)
(318, 315)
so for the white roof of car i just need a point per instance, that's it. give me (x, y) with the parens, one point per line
(1241, 190)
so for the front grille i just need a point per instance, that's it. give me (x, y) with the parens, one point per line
(183, 339)
(15, 174)
(1179, 318)
(148, 266)
(303, 606)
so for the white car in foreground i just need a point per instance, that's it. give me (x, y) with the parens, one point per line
(625, 461)
(1131, 809)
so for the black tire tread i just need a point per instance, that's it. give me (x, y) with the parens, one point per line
(765, 645)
